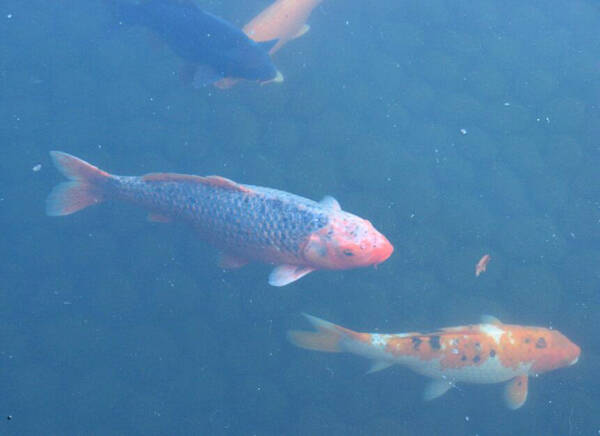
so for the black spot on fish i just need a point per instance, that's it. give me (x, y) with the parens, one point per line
(540, 343)
(527, 340)
(434, 342)
(492, 353)
(463, 358)
(416, 342)
(348, 252)
(476, 358)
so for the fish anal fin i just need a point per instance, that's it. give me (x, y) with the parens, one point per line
(204, 76)
(515, 392)
(379, 365)
(231, 261)
(305, 28)
(285, 274)
(183, 178)
(436, 388)
(226, 83)
(157, 217)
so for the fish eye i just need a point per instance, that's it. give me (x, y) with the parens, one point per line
(348, 252)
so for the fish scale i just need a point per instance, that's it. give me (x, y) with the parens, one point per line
(247, 220)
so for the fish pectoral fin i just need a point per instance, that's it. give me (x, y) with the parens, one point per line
(231, 261)
(379, 365)
(285, 274)
(330, 203)
(305, 28)
(156, 217)
(436, 388)
(268, 45)
(204, 76)
(515, 392)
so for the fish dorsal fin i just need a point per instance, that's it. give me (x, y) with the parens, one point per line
(379, 365)
(489, 319)
(268, 45)
(436, 388)
(515, 392)
(209, 180)
(330, 203)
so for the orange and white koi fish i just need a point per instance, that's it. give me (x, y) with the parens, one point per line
(283, 21)
(490, 352)
(482, 264)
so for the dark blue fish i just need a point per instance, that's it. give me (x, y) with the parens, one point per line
(214, 47)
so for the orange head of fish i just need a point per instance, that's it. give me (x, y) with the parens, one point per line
(347, 241)
(552, 350)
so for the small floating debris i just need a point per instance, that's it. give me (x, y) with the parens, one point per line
(463, 131)
(36, 168)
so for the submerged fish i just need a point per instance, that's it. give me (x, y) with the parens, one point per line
(281, 21)
(246, 222)
(481, 266)
(212, 47)
(491, 352)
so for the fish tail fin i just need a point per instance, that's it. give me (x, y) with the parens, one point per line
(83, 189)
(327, 337)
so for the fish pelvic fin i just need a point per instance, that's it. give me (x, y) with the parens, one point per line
(83, 189)
(436, 388)
(326, 337)
(515, 392)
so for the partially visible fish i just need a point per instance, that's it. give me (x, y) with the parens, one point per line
(212, 47)
(248, 223)
(282, 21)
(491, 352)
(482, 264)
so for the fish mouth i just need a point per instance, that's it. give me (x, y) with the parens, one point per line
(277, 79)
(383, 251)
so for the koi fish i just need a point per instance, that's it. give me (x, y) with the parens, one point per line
(490, 352)
(212, 47)
(482, 264)
(248, 223)
(282, 21)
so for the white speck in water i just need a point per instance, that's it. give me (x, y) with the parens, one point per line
(467, 418)
(506, 103)
(463, 131)
(9, 16)
(36, 168)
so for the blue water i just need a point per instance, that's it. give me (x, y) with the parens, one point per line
(457, 127)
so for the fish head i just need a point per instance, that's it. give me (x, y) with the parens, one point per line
(347, 241)
(552, 350)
